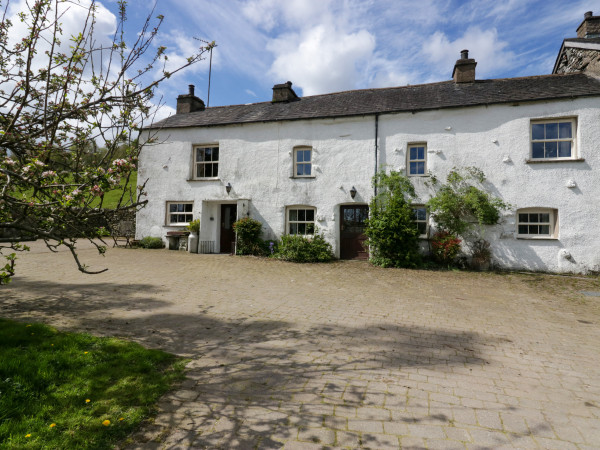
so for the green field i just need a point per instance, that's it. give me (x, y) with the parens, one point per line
(72, 390)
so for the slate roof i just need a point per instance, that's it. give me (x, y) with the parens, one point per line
(447, 94)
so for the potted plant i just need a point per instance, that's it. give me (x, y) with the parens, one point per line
(194, 229)
(481, 255)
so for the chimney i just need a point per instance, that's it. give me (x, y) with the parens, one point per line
(188, 103)
(284, 93)
(464, 69)
(590, 27)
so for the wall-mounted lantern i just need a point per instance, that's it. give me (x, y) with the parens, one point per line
(353, 192)
(228, 188)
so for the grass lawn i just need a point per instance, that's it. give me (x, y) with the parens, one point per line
(72, 390)
(112, 197)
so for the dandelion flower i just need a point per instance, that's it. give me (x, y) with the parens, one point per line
(85, 353)
(87, 400)
(121, 418)
(52, 425)
(27, 326)
(106, 423)
(28, 435)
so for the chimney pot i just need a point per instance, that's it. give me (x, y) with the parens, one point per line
(590, 27)
(188, 103)
(191, 88)
(464, 54)
(588, 14)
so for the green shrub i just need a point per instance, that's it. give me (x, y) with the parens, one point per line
(393, 236)
(300, 249)
(151, 242)
(194, 226)
(444, 247)
(248, 233)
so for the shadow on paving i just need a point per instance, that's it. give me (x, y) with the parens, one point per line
(259, 382)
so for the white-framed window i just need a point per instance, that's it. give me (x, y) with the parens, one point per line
(416, 163)
(179, 213)
(553, 139)
(301, 220)
(537, 223)
(303, 162)
(420, 219)
(206, 162)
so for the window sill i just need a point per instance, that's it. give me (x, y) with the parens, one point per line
(417, 175)
(203, 179)
(303, 178)
(538, 238)
(543, 161)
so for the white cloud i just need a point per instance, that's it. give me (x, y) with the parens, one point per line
(484, 46)
(322, 59)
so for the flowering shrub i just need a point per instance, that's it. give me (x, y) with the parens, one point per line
(445, 247)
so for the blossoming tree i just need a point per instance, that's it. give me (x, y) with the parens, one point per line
(64, 97)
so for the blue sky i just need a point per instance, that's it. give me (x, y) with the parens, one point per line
(335, 45)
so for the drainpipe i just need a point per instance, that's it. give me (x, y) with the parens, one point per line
(376, 147)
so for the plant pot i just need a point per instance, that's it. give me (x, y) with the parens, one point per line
(193, 242)
(480, 264)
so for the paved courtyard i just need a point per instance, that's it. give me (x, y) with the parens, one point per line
(339, 355)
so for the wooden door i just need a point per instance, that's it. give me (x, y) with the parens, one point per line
(352, 228)
(228, 217)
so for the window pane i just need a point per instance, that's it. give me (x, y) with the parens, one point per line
(534, 218)
(523, 217)
(552, 131)
(421, 168)
(199, 154)
(523, 229)
(208, 170)
(537, 150)
(301, 215)
(181, 218)
(188, 207)
(551, 149)
(422, 227)
(413, 153)
(301, 228)
(293, 215)
(215, 154)
(413, 168)
(215, 170)
(564, 149)
(299, 156)
(207, 154)
(421, 213)
(421, 152)
(537, 131)
(307, 155)
(307, 168)
(544, 229)
(545, 218)
(200, 171)
(293, 228)
(310, 228)
(173, 207)
(564, 130)
(310, 215)
(172, 218)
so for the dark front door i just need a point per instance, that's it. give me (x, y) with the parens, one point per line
(228, 217)
(352, 231)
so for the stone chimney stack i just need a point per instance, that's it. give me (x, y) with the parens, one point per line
(188, 103)
(464, 69)
(590, 27)
(284, 93)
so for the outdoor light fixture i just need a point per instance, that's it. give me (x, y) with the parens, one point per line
(228, 188)
(353, 192)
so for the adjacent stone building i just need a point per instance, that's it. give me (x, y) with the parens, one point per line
(298, 164)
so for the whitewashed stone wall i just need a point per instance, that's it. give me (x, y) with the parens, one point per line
(257, 159)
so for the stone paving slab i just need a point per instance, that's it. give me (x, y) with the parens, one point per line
(339, 355)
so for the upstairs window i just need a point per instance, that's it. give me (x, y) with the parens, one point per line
(420, 219)
(206, 162)
(179, 213)
(303, 162)
(553, 139)
(301, 220)
(416, 163)
(537, 223)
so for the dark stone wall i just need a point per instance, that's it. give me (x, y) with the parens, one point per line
(579, 60)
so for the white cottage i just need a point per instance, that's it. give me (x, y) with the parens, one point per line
(297, 164)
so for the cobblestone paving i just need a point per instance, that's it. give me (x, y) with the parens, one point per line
(339, 355)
